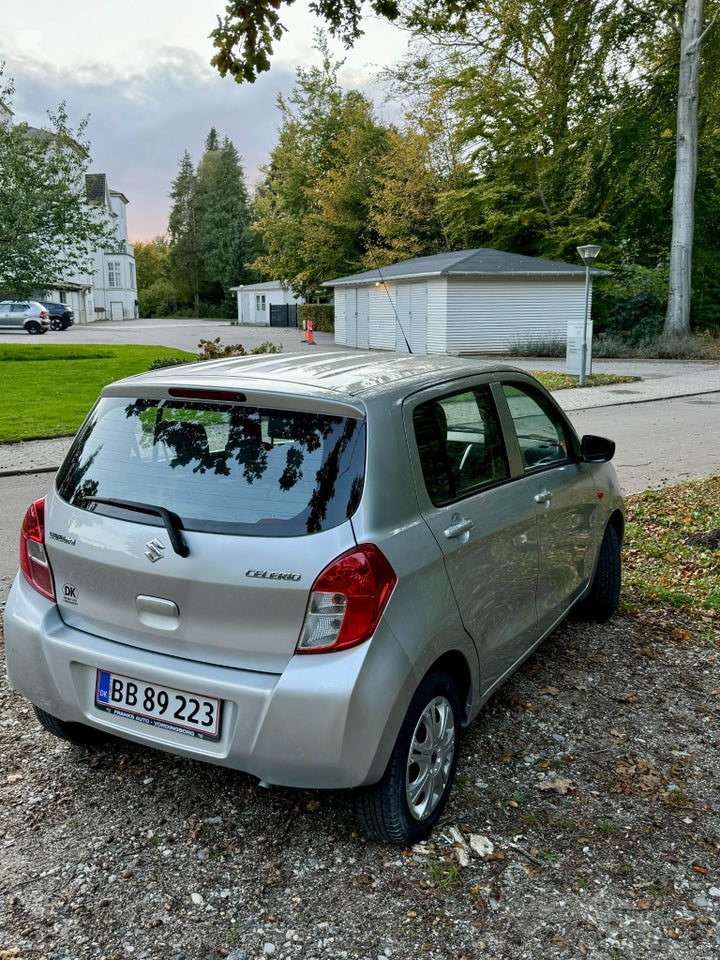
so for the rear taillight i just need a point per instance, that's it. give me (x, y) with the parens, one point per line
(347, 601)
(33, 559)
(43, 314)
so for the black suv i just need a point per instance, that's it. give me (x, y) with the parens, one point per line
(61, 316)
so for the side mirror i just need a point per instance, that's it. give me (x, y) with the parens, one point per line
(596, 449)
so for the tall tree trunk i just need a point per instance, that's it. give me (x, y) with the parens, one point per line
(677, 318)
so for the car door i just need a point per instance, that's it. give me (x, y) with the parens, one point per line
(563, 491)
(18, 314)
(485, 526)
(5, 314)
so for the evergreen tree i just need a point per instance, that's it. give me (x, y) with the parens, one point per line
(224, 217)
(183, 229)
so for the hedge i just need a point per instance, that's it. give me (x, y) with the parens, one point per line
(321, 314)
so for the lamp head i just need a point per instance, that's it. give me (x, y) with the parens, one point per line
(589, 253)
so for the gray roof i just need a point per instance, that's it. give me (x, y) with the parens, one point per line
(264, 285)
(482, 262)
(96, 187)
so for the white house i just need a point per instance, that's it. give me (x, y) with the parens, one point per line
(467, 301)
(114, 280)
(110, 292)
(266, 304)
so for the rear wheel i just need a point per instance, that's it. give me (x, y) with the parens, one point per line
(604, 597)
(33, 327)
(74, 732)
(409, 800)
(57, 324)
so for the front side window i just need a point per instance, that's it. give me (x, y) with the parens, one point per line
(218, 467)
(460, 444)
(540, 429)
(114, 274)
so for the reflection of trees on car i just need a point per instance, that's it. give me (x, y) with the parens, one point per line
(247, 445)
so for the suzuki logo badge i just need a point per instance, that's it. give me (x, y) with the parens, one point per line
(155, 550)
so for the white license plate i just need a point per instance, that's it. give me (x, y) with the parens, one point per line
(163, 707)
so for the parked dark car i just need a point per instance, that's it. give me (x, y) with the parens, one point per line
(61, 316)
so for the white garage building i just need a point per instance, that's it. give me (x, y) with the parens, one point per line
(469, 301)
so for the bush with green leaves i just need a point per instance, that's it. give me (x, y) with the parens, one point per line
(215, 350)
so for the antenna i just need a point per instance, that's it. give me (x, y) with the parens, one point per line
(390, 299)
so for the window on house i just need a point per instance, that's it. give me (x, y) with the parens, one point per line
(114, 278)
(260, 302)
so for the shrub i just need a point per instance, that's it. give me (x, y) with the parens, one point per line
(158, 300)
(214, 350)
(556, 347)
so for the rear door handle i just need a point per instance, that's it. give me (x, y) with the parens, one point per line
(543, 497)
(458, 526)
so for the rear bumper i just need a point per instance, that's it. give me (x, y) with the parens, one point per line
(328, 721)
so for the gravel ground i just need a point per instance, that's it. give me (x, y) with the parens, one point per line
(584, 823)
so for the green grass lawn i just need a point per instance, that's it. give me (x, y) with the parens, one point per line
(49, 388)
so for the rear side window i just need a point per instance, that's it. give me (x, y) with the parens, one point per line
(218, 467)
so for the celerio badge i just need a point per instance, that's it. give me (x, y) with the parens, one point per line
(272, 575)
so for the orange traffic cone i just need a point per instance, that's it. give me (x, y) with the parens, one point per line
(310, 332)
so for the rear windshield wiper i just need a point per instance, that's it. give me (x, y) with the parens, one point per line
(171, 520)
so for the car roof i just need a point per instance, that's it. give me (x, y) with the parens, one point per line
(342, 375)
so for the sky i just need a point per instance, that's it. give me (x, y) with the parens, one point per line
(141, 72)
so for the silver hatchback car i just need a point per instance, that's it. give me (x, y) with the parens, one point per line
(315, 570)
(26, 315)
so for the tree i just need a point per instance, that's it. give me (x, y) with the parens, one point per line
(183, 230)
(152, 262)
(48, 230)
(312, 208)
(529, 84)
(421, 165)
(223, 216)
(692, 30)
(252, 26)
(244, 43)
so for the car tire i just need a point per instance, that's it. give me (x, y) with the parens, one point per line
(73, 732)
(409, 800)
(33, 327)
(57, 325)
(604, 597)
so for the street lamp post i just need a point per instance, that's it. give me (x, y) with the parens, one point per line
(588, 255)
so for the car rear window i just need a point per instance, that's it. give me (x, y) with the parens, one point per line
(218, 467)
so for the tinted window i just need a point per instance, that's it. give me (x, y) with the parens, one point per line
(539, 427)
(218, 467)
(460, 444)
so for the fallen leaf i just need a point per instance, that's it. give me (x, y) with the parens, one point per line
(557, 786)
